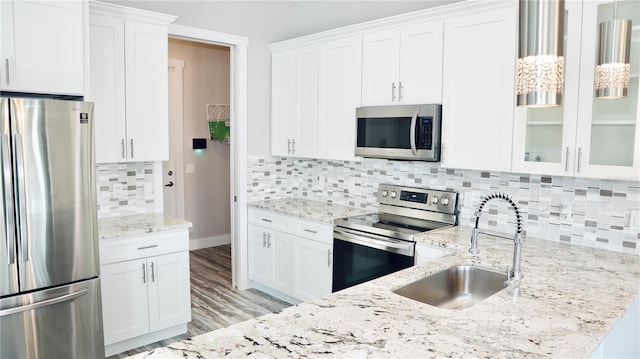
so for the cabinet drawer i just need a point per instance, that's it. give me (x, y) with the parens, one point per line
(312, 230)
(118, 250)
(270, 220)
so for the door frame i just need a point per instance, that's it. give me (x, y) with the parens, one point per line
(238, 161)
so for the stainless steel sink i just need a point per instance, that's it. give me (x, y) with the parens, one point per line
(457, 287)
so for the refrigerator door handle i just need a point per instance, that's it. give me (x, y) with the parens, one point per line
(44, 303)
(8, 205)
(20, 193)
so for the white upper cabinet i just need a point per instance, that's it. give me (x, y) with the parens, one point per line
(42, 46)
(478, 89)
(129, 83)
(294, 102)
(585, 136)
(315, 91)
(608, 132)
(403, 65)
(339, 79)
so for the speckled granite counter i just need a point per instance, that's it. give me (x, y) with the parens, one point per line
(137, 224)
(308, 209)
(569, 299)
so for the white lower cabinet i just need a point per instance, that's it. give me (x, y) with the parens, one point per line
(311, 269)
(145, 289)
(290, 256)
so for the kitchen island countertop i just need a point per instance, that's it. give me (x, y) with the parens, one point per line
(138, 224)
(569, 298)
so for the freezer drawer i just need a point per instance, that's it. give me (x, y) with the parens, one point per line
(63, 322)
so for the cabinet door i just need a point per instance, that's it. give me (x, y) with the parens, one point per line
(421, 63)
(380, 63)
(107, 87)
(544, 138)
(608, 136)
(169, 297)
(259, 258)
(282, 97)
(42, 47)
(305, 102)
(478, 89)
(279, 252)
(124, 300)
(147, 76)
(339, 88)
(312, 269)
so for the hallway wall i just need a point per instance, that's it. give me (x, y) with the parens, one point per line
(206, 81)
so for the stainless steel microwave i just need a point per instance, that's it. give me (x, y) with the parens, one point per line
(405, 132)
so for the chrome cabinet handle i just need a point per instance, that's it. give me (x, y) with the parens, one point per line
(289, 146)
(412, 133)
(267, 220)
(131, 148)
(393, 91)
(566, 165)
(310, 231)
(6, 62)
(44, 303)
(293, 146)
(400, 91)
(268, 240)
(579, 158)
(144, 273)
(153, 272)
(264, 239)
(122, 146)
(147, 247)
(329, 258)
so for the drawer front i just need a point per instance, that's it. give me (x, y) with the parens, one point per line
(123, 249)
(270, 220)
(312, 230)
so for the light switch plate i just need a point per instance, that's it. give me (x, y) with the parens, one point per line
(634, 220)
(190, 168)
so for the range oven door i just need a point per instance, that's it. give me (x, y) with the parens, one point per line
(359, 257)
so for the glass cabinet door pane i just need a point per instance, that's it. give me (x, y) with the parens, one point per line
(614, 121)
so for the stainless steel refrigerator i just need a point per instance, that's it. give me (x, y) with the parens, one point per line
(49, 286)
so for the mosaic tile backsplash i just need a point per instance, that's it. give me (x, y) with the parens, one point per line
(125, 188)
(588, 212)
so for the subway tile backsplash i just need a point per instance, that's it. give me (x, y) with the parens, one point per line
(588, 212)
(125, 188)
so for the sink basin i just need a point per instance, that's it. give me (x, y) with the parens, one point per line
(457, 287)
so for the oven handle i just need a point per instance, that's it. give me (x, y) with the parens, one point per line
(382, 243)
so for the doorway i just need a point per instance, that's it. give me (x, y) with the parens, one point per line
(199, 105)
(238, 146)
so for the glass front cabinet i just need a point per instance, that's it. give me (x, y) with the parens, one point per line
(586, 136)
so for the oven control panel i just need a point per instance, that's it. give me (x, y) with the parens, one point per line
(418, 198)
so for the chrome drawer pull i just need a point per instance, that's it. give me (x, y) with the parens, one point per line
(147, 247)
(310, 231)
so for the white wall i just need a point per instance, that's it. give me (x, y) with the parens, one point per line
(206, 192)
(265, 22)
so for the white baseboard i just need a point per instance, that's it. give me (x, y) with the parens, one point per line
(199, 243)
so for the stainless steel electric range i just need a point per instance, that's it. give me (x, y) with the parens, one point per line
(369, 246)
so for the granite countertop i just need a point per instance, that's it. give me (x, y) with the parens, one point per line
(137, 224)
(307, 209)
(569, 298)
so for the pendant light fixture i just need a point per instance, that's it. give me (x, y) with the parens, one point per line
(612, 71)
(540, 71)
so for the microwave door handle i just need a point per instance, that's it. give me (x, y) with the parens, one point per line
(412, 134)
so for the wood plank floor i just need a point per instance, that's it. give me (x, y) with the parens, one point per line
(214, 303)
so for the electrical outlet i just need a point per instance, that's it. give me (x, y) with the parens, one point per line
(634, 220)
(148, 189)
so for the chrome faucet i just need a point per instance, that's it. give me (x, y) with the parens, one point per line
(514, 274)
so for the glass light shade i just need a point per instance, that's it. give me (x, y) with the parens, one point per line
(540, 67)
(612, 71)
